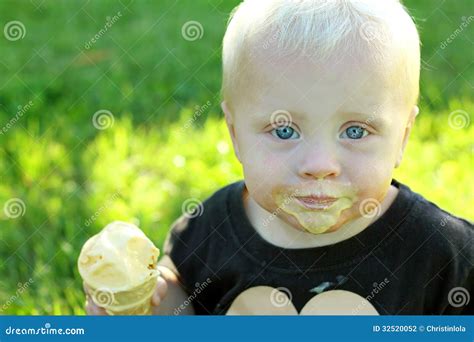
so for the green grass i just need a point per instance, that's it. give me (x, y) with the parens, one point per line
(144, 167)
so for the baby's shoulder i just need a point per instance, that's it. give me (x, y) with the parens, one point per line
(429, 215)
(200, 218)
(447, 234)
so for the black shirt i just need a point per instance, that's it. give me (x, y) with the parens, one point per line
(423, 255)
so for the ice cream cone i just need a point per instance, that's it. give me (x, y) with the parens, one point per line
(136, 301)
(119, 268)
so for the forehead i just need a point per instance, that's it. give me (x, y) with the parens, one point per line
(301, 86)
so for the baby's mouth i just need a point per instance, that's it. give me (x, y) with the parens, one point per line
(317, 202)
(316, 210)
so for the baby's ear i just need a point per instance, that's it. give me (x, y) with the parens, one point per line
(230, 125)
(411, 120)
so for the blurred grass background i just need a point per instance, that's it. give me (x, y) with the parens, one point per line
(168, 141)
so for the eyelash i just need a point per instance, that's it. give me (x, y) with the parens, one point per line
(280, 127)
(365, 132)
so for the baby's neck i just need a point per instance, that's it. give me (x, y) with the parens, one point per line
(281, 234)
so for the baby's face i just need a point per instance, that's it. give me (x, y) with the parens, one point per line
(334, 132)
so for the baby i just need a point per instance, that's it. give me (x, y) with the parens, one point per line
(319, 97)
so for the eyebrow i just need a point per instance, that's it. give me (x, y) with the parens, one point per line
(283, 112)
(369, 119)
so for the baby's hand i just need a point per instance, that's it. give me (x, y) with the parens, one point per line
(158, 296)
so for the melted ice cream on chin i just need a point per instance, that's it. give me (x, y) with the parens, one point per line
(315, 221)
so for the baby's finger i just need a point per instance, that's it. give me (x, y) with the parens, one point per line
(93, 309)
(160, 291)
(155, 299)
(161, 287)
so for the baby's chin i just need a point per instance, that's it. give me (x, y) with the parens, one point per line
(317, 221)
(330, 225)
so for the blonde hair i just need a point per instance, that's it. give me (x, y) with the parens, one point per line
(317, 29)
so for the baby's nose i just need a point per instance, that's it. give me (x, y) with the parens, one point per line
(318, 162)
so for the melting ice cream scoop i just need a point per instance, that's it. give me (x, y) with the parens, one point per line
(119, 258)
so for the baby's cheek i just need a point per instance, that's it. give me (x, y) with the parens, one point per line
(258, 172)
(372, 195)
(274, 165)
(371, 175)
(265, 166)
(262, 176)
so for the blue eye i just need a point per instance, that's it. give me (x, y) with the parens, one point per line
(354, 132)
(285, 132)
